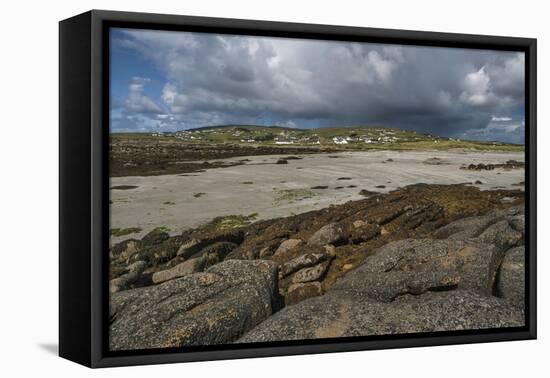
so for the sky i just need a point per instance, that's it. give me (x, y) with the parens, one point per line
(173, 80)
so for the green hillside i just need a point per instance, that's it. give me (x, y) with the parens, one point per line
(356, 137)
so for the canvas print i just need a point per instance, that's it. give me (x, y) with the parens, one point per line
(270, 189)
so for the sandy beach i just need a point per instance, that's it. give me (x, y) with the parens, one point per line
(179, 202)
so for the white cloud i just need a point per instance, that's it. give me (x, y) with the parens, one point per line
(500, 119)
(382, 67)
(498, 84)
(296, 78)
(476, 88)
(137, 101)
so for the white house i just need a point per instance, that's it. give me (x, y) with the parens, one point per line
(339, 140)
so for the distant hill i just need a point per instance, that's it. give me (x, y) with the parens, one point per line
(248, 127)
(350, 137)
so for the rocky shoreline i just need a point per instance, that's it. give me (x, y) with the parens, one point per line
(422, 258)
(142, 157)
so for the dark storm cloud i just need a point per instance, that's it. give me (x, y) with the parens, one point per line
(216, 79)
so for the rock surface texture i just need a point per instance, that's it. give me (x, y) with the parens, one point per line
(213, 307)
(337, 315)
(471, 278)
(415, 266)
(511, 281)
(423, 258)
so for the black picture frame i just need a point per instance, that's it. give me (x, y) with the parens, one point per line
(84, 192)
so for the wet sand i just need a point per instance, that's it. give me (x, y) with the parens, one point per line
(184, 201)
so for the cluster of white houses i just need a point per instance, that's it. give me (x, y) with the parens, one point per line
(286, 138)
(364, 139)
(380, 136)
